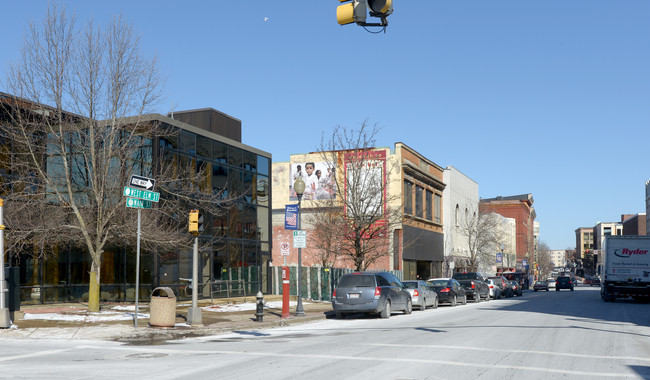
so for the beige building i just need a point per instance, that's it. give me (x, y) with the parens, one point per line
(411, 184)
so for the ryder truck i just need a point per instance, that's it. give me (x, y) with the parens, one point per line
(626, 270)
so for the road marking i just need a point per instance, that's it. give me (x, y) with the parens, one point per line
(294, 356)
(31, 355)
(514, 351)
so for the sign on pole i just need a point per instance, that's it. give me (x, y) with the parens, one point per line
(300, 239)
(142, 194)
(142, 182)
(137, 203)
(291, 217)
(499, 258)
(284, 249)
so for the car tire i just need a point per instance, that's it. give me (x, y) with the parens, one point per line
(465, 300)
(534, 290)
(386, 312)
(477, 297)
(435, 303)
(424, 304)
(409, 307)
(339, 315)
(453, 301)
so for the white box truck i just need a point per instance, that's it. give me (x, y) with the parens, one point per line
(626, 268)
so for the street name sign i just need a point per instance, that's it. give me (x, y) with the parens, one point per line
(141, 194)
(137, 203)
(300, 239)
(142, 182)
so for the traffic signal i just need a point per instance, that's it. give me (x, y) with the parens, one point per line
(380, 8)
(351, 11)
(194, 222)
(355, 11)
(200, 222)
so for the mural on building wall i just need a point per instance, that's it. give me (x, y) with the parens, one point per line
(318, 177)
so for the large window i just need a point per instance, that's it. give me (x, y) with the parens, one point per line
(429, 202)
(438, 209)
(419, 206)
(408, 197)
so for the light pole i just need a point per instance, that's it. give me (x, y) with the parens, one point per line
(503, 246)
(299, 188)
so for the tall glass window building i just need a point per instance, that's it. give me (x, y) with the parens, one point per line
(238, 261)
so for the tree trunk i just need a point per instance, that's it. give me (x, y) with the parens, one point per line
(93, 292)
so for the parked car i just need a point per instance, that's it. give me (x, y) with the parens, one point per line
(540, 285)
(370, 292)
(421, 294)
(517, 288)
(506, 288)
(448, 290)
(495, 289)
(563, 282)
(595, 281)
(475, 286)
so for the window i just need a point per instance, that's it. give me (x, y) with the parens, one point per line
(429, 202)
(408, 197)
(456, 215)
(419, 206)
(438, 211)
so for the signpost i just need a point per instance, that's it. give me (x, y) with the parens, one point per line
(300, 239)
(139, 198)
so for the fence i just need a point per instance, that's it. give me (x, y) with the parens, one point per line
(317, 282)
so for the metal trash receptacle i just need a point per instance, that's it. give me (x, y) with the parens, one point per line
(162, 309)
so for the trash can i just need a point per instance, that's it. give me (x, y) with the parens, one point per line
(162, 309)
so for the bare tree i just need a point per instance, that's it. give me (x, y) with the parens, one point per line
(483, 237)
(362, 212)
(78, 131)
(544, 260)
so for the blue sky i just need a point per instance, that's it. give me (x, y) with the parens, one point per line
(544, 97)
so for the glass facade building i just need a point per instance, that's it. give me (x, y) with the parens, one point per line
(238, 260)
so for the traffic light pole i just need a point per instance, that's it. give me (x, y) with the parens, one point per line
(137, 272)
(5, 319)
(194, 312)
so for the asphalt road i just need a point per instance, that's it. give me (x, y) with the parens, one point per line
(547, 335)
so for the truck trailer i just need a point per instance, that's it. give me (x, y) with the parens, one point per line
(626, 268)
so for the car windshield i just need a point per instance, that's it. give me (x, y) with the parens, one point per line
(410, 284)
(438, 282)
(358, 280)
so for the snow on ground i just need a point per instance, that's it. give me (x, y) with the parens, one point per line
(125, 312)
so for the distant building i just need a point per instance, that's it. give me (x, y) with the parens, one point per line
(520, 208)
(647, 207)
(634, 224)
(584, 241)
(558, 258)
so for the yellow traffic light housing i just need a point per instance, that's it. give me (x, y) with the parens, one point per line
(352, 11)
(194, 222)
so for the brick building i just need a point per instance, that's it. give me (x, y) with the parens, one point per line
(520, 208)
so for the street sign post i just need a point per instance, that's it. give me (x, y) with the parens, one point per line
(141, 194)
(142, 182)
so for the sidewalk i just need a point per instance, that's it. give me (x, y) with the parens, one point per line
(72, 320)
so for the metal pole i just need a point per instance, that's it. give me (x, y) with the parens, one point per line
(137, 271)
(5, 319)
(300, 312)
(194, 312)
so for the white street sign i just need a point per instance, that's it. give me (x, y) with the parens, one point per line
(300, 239)
(284, 249)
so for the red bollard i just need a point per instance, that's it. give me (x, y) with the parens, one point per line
(285, 292)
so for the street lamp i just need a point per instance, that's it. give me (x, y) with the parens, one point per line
(299, 188)
(503, 246)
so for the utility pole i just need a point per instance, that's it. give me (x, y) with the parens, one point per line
(5, 319)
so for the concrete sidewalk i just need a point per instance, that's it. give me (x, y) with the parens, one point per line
(214, 323)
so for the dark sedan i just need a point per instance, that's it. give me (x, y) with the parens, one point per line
(449, 291)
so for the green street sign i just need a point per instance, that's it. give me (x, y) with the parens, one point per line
(137, 203)
(141, 194)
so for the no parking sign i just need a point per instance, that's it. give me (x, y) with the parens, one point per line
(284, 249)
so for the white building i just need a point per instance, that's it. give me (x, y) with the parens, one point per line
(558, 258)
(460, 202)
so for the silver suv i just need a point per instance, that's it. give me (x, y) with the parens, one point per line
(370, 292)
